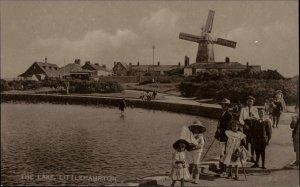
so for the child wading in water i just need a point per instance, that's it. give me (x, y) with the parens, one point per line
(233, 150)
(179, 166)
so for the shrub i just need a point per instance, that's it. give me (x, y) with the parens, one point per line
(78, 86)
(239, 88)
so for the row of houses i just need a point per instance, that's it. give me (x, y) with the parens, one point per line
(42, 70)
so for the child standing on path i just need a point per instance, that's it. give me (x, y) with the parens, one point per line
(232, 155)
(262, 133)
(179, 166)
(198, 142)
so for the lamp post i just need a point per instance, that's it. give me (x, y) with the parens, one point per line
(153, 47)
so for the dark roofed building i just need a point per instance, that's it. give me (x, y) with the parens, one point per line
(99, 70)
(123, 69)
(72, 67)
(218, 66)
(42, 70)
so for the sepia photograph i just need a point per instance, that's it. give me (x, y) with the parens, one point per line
(149, 93)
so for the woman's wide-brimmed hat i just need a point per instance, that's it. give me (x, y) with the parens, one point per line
(278, 91)
(197, 126)
(180, 141)
(225, 102)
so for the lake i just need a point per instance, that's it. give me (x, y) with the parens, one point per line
(51, 139)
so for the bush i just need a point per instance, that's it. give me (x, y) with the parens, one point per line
(4, 85)
(238, 89)
(94, 87)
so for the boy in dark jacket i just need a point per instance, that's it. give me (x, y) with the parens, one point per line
(261, 134)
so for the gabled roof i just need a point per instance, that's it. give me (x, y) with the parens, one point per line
(126, 66)
(216, 65)
(69, 68)
(51, 70)
(96, 67)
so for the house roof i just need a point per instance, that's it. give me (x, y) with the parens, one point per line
(124, 64)
(82, 71)
(69, 68)
(97, 67)
(51, 70)
(156, 67)
(216, 65)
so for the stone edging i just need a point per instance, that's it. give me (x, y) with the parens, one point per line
(204, 111)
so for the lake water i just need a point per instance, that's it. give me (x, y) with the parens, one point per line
(50, 139)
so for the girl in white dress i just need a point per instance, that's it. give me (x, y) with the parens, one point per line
(194, 136)
(179, 166)
(233, 150)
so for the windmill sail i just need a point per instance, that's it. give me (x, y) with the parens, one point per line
(190, 37)
(224, 42)
(209, 21)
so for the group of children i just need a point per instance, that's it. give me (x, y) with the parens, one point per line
(181, 171)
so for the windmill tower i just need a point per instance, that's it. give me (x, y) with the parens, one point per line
(205, 52)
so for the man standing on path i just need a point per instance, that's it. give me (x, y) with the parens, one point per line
(247, 116)
(223, 125)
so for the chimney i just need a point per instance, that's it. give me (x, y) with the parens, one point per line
(77, 61)
(158, 63)
(186, 61)
(247, 64)
(130, 64)
(227, 60)
(178, 63)
(115, 63)
(97, 64)
(138, 63)
(46, 60)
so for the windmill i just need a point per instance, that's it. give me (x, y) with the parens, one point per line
(205, 49)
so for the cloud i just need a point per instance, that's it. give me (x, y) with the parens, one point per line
(160, 23)
(94, 45)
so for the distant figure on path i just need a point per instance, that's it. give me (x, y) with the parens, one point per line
(122, 105)
(247, 116)
(277, 110)
(233, 151)
(179, 166)
(262, 133)
(154, 93)
(295, 126)
(223, 125)
(268, 107)
(279, 94)
(149, 96)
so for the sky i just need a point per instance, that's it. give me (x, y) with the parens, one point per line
(102, 32)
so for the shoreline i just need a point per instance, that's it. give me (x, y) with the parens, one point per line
(209, 111)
